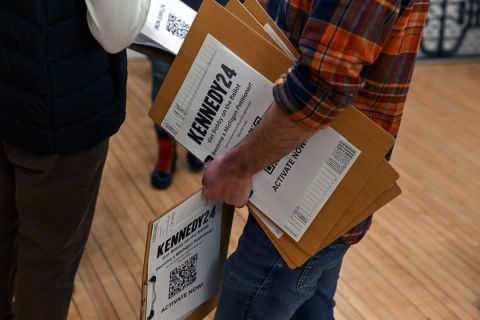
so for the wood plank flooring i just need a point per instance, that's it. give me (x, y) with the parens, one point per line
(420, 260)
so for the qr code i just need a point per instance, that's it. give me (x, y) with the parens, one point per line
(183, 276)
(177, 26)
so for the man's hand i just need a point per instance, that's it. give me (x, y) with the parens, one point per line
(229, 179)
(223, 182)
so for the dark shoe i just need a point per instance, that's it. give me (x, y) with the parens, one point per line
(160, 180)
(194, 164)
(161, 177)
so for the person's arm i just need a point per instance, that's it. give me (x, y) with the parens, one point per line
(229, 179)
(116, 23)
(336, 43)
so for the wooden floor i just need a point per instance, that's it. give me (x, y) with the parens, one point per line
(421, 259)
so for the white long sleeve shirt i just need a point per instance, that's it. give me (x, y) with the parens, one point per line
(116, 23)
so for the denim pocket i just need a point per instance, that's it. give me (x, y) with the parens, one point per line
(326, 259)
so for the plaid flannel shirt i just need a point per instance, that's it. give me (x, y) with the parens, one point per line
(353, 52)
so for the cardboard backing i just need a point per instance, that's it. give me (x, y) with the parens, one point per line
(378, 191)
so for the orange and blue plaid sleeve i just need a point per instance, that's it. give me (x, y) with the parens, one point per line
(337, 39)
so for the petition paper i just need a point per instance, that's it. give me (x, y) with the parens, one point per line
(167, 25)
(184, 258)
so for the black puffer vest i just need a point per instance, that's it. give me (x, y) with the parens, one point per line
(60, 92)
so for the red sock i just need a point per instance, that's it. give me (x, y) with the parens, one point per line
(166, 150)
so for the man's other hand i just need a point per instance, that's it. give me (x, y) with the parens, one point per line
(224, 181)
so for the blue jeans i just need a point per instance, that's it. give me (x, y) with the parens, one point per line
(259, 285)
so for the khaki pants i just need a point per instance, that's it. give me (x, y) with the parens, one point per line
(46, 211)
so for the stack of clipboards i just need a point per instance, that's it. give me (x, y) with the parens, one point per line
(371, 181)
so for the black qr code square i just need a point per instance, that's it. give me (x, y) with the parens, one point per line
(269, 169)
(177, 26)
(183, 276)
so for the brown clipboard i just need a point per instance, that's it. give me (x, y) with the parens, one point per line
(268, 60)
(386, 197)
(385, 178)
(208, 306)
(295, 259)
(374, 190)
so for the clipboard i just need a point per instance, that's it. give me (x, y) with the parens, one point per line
(271, 62)
(378, 191)
(386, 197)
(204, 309)
(296, 258)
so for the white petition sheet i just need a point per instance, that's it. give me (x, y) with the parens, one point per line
(167, 24)
(184, 259)
(221, 99)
